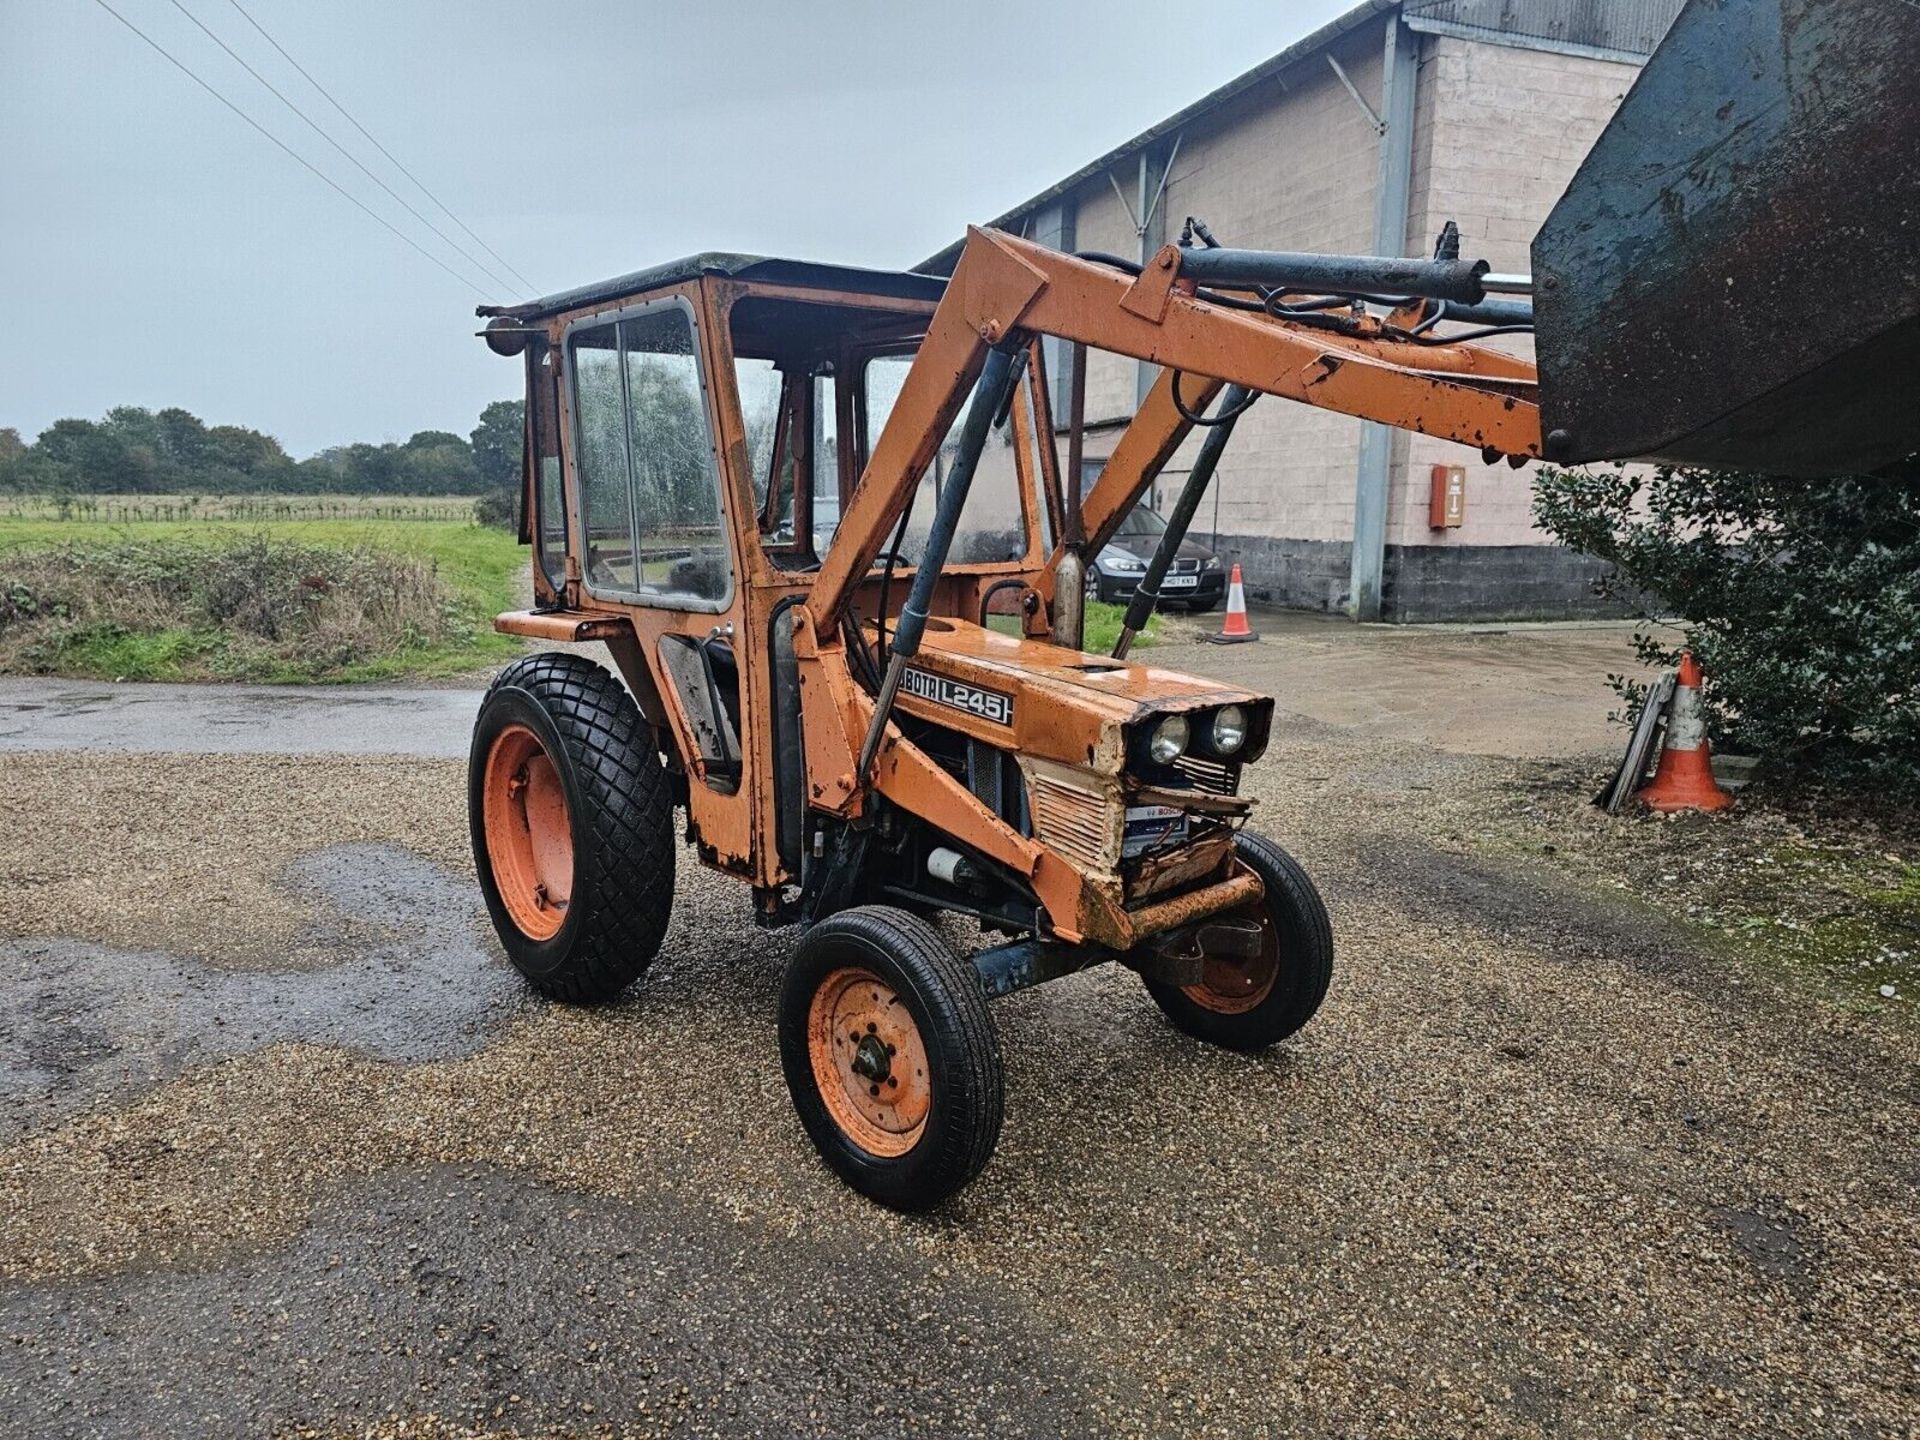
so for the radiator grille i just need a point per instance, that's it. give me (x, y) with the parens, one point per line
(1080, 824)
(1215, 777)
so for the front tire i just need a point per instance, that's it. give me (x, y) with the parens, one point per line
(891, 1056)
(572, 826)
(1253, 1003)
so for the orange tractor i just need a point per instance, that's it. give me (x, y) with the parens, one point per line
(817, 517)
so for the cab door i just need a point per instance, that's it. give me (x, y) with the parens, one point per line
(654, 540)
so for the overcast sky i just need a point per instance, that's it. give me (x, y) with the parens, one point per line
(156, 251)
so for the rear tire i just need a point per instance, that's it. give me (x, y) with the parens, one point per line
(572, 825)
(1249, 1005)
(891, 1056)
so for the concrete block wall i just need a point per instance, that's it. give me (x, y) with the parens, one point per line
(1498, 133)
(1290, 165)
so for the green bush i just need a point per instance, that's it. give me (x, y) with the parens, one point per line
(1800, 598)
(499, 508)
(256, 607)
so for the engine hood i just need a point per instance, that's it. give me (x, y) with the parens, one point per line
(1043, 700)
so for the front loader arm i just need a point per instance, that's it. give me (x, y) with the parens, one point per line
(1458, 392)
(1003, 284)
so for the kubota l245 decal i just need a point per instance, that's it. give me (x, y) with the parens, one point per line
(987, 704)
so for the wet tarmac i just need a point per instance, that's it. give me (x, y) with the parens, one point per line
(42, 714)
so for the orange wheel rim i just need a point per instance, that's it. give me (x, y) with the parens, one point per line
(869, 1062)
(529, 837)
(1233, 985)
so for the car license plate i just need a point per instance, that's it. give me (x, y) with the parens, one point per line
(1180, 582)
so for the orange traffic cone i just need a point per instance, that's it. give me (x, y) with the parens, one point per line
(1684, 779)
(1234, 630)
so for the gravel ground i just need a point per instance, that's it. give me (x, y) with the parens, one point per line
(1541, 1167)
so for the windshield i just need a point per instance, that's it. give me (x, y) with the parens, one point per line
(1141, 521)
(993, 521)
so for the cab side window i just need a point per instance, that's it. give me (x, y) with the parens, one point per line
(649, 485)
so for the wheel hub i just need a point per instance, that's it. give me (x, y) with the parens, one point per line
(528, 834)
(869, 1061)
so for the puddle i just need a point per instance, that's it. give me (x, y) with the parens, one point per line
(81, 1022)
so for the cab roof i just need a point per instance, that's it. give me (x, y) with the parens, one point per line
(894, 284)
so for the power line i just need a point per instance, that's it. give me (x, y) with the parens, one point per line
(281, 144)
(353, 159)
(530, 287)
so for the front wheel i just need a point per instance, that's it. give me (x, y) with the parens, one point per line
(891, 1056)
(1250, 1003)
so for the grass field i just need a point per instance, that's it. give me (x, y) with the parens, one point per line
(470, 574)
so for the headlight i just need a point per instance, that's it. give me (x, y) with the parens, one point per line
(1169, 740)
(1123, 564)
(1213, 562)
(1229, 729)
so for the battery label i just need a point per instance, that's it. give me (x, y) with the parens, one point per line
(1152, 827)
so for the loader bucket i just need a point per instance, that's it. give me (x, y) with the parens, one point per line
(1732, 278)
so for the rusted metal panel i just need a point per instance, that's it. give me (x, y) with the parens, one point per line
(1077, 811)
(1243, 889)
(1177, 869)
(1733, 276)
(1061, 704)
(563, 626)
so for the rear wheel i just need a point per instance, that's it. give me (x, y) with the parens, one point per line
(572, 827)
(1250, 1003)
(891, 1056)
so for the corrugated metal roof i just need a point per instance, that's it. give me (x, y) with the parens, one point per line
(1609, 29)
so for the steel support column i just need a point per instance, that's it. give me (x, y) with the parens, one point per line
(1399, 74)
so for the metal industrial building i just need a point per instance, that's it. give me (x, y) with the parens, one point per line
(1366, 137)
